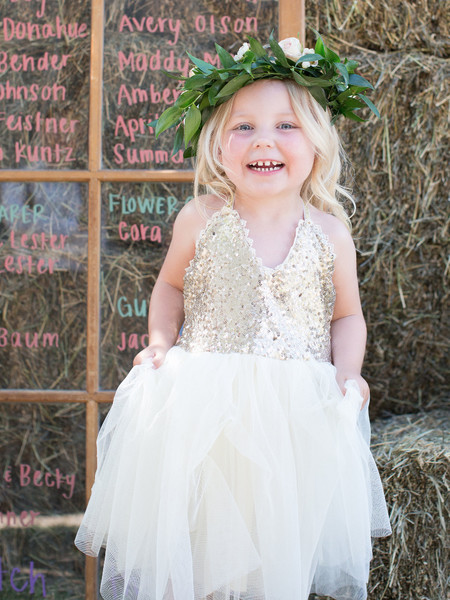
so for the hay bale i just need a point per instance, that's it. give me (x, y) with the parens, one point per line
(401, 224)
(384, 25)
(401, 230)
(413, 457)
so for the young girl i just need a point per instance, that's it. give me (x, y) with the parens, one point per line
(234, 462)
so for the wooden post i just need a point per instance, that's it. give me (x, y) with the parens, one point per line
(292, 19)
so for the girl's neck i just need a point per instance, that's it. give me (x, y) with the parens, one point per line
(268, 209)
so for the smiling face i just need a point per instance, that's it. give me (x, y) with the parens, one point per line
(264, 150)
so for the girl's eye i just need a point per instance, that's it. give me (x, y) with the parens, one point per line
(286, 126)
(243, 127)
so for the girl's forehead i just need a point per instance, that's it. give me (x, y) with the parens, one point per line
(262, 93)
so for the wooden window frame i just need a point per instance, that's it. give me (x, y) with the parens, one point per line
(291, 23)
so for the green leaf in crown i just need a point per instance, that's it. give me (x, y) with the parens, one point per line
(330, 80)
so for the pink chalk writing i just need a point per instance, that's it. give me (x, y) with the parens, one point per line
(151, 25)
(21, 213)
(23, 62)
(21, 30)
(134, 156)
(129, 127)
(212, 59)
(33, 92)
(142, 61)
(22, 264)
(132, 341)
(24, 519)
(137, 233)
(225, 24)
(29, 584)
(50, 154)
(131, 95)
(37, 123)
(27, 476)
(36, 241)
(40, 11)
(19, 339)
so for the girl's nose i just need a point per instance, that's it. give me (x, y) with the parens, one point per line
(263, 142)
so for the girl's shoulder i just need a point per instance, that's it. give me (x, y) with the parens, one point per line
(196, 213)
(333, 228)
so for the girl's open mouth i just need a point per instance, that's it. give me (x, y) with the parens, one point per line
(264, 166)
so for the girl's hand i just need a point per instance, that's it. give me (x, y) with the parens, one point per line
(364, 390)
(153, 354)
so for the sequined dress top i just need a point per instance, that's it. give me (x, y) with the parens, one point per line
(233, 303)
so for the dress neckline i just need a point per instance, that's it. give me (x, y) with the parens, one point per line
(305, 218)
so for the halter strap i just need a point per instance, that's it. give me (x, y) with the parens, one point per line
(306, 214)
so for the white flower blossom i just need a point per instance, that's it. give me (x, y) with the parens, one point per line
(242, 50)
(306, 63)
(292, 48)
(191, 72)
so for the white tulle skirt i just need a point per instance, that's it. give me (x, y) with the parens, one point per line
(234, 476)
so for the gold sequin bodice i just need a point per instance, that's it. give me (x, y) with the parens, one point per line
(233, 303)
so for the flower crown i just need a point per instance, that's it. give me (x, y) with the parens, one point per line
(332, 82)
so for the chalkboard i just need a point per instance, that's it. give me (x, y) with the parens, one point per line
(43, 282)
(42, 496)
(137, 224)
(144, 38)
(44, 84)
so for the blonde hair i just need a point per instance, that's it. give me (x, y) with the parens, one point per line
(321, 186)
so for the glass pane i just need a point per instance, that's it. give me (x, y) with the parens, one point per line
(43, 274)
(137, 224)
(44, 84)
(42, 499)
(144, 37)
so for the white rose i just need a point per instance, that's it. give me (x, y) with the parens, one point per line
(292, 48)
(242, 50)
(306, 63)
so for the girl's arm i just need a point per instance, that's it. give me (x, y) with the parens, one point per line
(348, 327)
(166, 312)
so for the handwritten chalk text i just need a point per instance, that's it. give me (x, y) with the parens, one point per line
(30, 583)
(129, 127)
(138, 233)
(21, 30)
(24, 519)
(51, 154)
(133, 308)
(134, 156)
(40, 12)
(225, 24)
(159, 205)
(133, 341)
(23, 62)
(132, 95)
(37, 241)
(28, 339)
(142, 61)
(26, 264)
(151, 25)
(37, 123)
(26, 476)
(33, 92)
(21, 213)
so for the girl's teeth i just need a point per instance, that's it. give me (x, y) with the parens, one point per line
(265, 165)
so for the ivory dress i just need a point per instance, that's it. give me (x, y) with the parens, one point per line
(238, 469)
